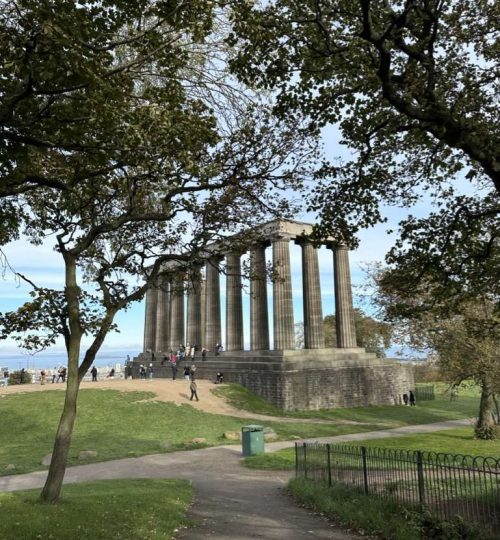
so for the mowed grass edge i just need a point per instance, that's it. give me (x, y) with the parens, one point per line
(104, 510)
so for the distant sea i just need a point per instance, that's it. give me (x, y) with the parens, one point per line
(50, 359)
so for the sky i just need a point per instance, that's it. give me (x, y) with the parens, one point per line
(44, 266)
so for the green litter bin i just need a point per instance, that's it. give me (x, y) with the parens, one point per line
(252, 439)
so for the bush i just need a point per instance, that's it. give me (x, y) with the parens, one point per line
(15, 378)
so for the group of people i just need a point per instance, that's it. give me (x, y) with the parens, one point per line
(184, 352)
(146, 372)
(409, 399)
(57, 374)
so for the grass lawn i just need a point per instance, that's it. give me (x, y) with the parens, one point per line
(390, 416)
(282, 460)
(120, 424)
(453, 441)
(112, 509)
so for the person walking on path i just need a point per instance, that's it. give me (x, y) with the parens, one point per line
(150, 372)
(173, 365)
(187, 372)
(194, 391)
(43, 376)
(192, 372)
(93, 371)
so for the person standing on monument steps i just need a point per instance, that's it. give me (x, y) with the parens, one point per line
(194, 391)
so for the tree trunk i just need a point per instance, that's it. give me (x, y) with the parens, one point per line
(485, 421)
(52, 489)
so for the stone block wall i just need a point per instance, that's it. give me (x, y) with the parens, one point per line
(306, 381)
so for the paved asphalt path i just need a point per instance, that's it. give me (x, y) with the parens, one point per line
(231, 501)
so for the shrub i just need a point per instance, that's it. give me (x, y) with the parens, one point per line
(15, 377)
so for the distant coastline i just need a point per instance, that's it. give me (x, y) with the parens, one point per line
(49, 359)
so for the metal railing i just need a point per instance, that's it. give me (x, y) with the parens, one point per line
(448, 485)
(425, 392)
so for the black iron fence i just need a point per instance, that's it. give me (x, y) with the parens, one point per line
(448, 485)
(425, 392)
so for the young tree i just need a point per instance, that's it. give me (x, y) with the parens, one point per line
(465, 336)
(468, 344)
(413, 87)
(134, 177)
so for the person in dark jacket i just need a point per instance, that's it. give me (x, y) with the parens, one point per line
(194, 391)
(413, 401)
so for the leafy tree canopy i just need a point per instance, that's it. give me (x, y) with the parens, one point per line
(413, 87)
(373, 335)
(125, 143)
(465, 336)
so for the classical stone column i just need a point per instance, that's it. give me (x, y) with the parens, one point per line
(284, 330)
(150, 319)
(176, 312)
(234, 305)
(259, 320)
(193, 333)
(344, 313)
(163, 316)
(203, 312)
(212, 321)
(314, 334)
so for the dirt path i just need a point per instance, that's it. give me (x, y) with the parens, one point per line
(173, 392)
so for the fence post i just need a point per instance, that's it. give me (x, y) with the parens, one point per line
(305, 460)
(420, 476)
(328, 460)
(296, 460)
(365, 468)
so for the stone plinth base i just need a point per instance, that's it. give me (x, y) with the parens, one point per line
(307, 379)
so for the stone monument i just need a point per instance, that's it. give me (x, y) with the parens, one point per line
(311, 378)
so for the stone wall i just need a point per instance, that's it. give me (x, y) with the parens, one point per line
(307, 379)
